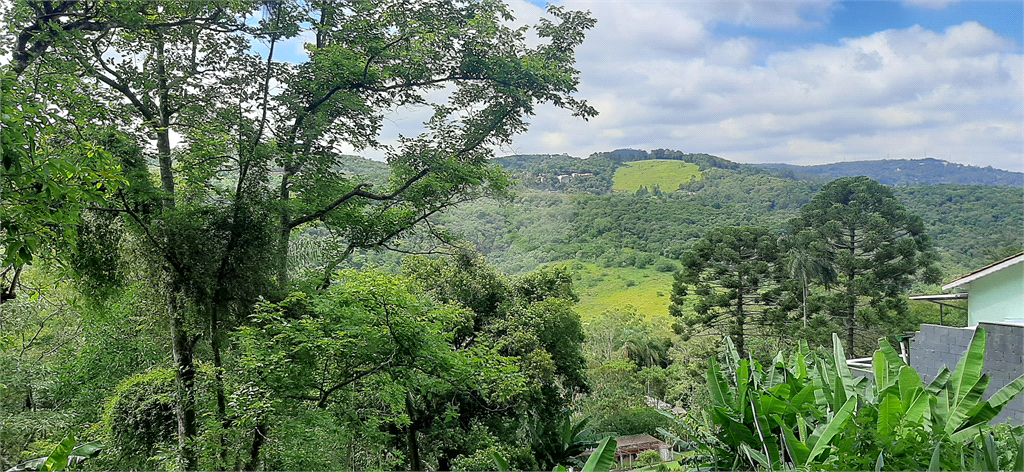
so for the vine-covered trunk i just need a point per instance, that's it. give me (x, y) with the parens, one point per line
(218, 373)
(182, 350)
(414, 447)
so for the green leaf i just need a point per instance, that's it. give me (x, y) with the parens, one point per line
(880, 367)
(85, 451)
(842, 368)
(756, 458)
(935, 465)
(1007, 393)
(832, 428)
(1018, 454)
(959, 414)
(717, 386)
(733, 357)
(990, 453)
(798, 450)
(58, 459)
(939, 381)
(801, 361)
(969, 369)
(889, 412)
(500, 462)
(880, 462)
(773, 404)
(918, 409)
(603, 457)
(967, 434)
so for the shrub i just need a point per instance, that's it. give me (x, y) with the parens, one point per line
(139, 417)
(665, 266)
(649, 458)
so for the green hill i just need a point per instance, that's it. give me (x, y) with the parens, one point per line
(901, 172)
(665, 174)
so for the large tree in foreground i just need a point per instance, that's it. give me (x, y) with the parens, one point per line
(878, 249)
(260, 137)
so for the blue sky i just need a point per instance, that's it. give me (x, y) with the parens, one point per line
(798, 82)
(862, 18)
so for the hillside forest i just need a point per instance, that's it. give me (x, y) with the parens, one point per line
(195, 278)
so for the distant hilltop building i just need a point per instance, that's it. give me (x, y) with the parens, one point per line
(564, 177)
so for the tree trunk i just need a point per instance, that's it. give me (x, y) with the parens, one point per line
(740, 322)
(851, 308)
(162, 128)
(804, 279)
(218, 373)
(284, 237)
(182, 348)
(414, 448)
(259, 435)
(163, 150)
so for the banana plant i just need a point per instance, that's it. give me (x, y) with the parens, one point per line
(65, 455)
(812, 413)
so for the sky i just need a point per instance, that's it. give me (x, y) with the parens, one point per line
(798, 82)
(795, 82)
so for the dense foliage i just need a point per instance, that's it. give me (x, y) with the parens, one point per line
(876, 246)
(194, 275)
(734, 274)
(204, 240)
(809, 411)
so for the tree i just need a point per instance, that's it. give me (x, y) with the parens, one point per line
(805, 265)
(733, 274)
(878, 248)
(528, 319)
(254, 166)
(51, 172)
(370, 343)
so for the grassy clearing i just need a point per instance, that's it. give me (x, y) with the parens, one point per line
(666, 174)
(601, 289)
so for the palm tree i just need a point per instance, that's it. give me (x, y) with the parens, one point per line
(805, 263)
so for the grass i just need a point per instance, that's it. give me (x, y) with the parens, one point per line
(666, 174)
(601, 289)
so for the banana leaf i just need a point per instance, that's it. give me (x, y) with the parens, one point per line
(969, 370)
(842, 368)
(500, 462)
(1007, 393)
(832, 429)
(603, 457)
(958, 415)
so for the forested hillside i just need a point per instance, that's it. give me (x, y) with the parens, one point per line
(901, 172)
(971, 224)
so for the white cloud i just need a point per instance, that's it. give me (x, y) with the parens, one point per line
(955, 94)
(661, 78)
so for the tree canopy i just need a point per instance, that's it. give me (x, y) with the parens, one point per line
(877, 246)
(245, 145)
(733, 273)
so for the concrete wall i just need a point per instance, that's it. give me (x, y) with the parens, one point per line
(998, 297)
(936, 346)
